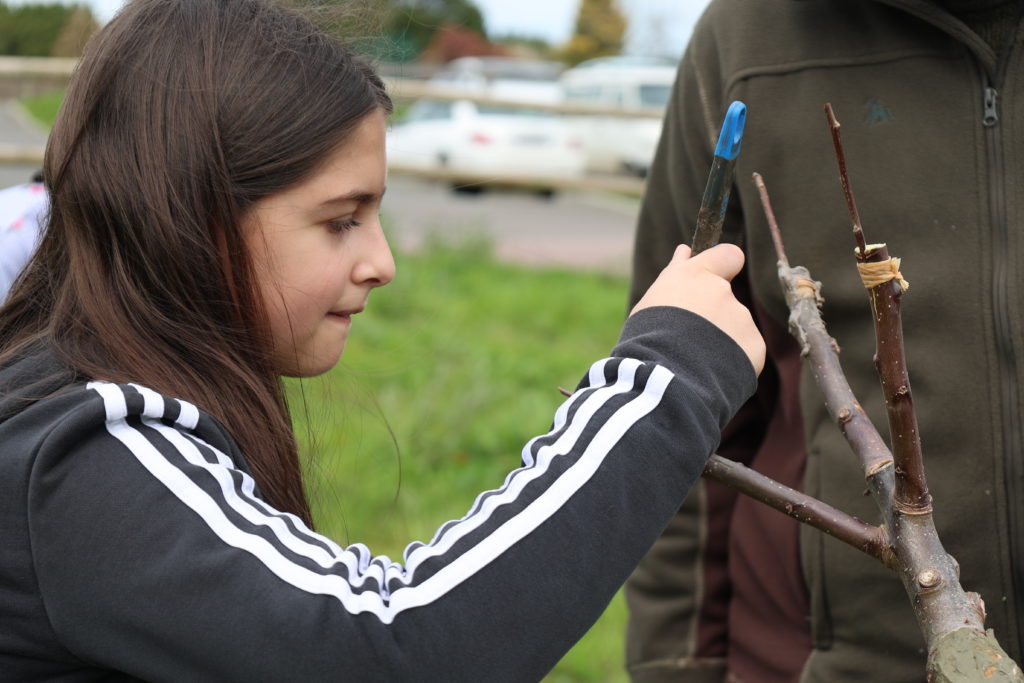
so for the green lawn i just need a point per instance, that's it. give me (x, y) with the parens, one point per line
(451, 369)
(44, 107)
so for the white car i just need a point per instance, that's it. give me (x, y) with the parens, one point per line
(475, 143)
(614, 143)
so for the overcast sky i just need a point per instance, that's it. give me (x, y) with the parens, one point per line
(659, 26)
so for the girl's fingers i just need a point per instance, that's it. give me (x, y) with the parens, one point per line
(724, 260)
(700, 284)
(682, 252)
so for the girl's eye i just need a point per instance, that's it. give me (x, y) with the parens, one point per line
(342, 224)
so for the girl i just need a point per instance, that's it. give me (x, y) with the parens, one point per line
(215, 175)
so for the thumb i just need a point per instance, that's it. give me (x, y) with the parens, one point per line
(681, 253)
(724, 260)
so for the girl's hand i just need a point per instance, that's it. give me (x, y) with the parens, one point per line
(701, 285)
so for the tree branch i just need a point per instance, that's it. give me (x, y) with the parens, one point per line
(929, 574)
(844, 179)
(885, 288)
(911, 495)
(820, 350)
(806, 509)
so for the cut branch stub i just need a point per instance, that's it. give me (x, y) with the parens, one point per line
(960, 656)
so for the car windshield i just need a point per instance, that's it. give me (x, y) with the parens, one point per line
(505, 110)
(654, 95)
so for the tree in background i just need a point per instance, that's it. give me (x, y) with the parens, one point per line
(431, 32)
(393, 30)
(526, 46)
(410, 25)
(600, 32)
(452, 41)
(78, 28)
(45, 30)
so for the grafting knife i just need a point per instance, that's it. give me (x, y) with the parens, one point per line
(716, 194)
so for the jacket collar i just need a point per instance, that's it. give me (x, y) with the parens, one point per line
(936, 13)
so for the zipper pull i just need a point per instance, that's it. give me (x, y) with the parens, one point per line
(991, 116)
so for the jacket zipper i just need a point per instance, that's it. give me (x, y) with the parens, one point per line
(991, 117)
(1007, 371)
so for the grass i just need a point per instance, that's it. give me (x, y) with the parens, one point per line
(451, 369)
(44, 107)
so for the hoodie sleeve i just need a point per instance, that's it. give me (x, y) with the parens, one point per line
(156, 557)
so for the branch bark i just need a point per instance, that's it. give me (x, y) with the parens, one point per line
(820, 350)
(885, 286)
(806, 509)
(911, 495)
(951, 620)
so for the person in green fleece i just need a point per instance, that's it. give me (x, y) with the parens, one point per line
(927, 93)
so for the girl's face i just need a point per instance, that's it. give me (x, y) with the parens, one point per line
(319, 250)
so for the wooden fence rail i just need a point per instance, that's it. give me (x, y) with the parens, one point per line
(26, 76)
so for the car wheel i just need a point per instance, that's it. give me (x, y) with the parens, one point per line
(632, 170)
(467, 188)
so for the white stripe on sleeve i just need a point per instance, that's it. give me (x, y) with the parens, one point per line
(357, 558)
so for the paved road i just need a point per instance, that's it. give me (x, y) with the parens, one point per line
(16, 128)
(577, 229)
(574, 229)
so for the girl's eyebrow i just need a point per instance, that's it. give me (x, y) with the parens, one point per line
(356, 196)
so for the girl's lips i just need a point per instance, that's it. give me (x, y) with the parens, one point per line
(345, 315)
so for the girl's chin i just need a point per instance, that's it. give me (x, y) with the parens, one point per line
(311, 367)
(316, 353)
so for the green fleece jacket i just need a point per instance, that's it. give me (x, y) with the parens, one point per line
(933, 124)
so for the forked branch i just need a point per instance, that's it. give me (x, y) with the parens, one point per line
(946, 614)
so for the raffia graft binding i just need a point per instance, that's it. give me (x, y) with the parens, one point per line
(806, 287)
(874, 274)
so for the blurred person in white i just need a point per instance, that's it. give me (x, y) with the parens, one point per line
(22, 209)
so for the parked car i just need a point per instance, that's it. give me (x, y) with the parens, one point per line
(529, 80)
(615, 143)
(480, 142)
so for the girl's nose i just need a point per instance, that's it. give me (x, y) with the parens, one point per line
(376, 265)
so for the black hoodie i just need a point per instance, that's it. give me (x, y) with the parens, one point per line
(135, 544)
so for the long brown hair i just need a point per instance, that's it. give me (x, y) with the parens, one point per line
(181, 114)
